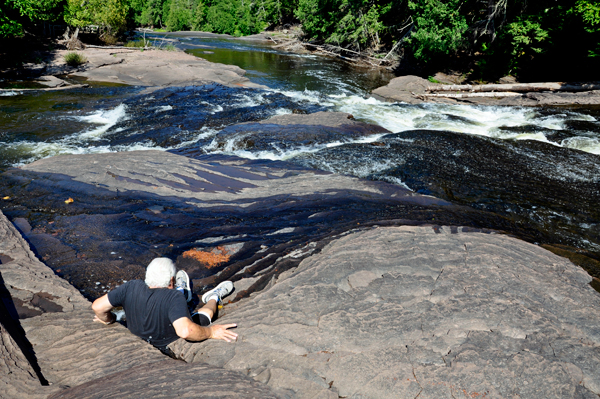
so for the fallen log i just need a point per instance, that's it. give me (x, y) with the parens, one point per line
(118, 47)
(517, 87)
(48, 88)
(467, 95)
(325, 49)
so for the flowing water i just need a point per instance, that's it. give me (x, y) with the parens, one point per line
(539, 167)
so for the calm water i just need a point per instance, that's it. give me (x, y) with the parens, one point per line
(554, 149)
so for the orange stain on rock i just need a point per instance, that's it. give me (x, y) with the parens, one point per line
(211, 259)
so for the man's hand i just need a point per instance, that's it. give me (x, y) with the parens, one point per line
(220, 331)
(110, 321)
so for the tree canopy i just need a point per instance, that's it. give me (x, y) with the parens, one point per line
(489, 37)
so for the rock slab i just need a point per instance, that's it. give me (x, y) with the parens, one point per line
(149, 68)
(427, 312)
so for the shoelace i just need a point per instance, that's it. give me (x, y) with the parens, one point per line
(219, 292)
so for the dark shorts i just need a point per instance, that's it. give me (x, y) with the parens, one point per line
(201, 319)
(198, 318)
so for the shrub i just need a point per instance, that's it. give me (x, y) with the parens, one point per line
(169, 47)
(138, 43)
(75, 59)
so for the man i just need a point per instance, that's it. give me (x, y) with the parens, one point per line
(158, 313)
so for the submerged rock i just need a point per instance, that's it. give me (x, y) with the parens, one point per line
(174, 116)
(419, 312)
(286, 133)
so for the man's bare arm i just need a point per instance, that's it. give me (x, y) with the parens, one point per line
(102, 308)
(187, 329)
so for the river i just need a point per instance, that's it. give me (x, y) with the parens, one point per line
(538, 168)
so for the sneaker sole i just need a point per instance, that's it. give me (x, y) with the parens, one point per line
(227, 284)
(188, 292)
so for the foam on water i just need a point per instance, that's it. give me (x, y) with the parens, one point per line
(163, 108)
(9, 93)
(40, 150)
(105, 120)
(488, 121)
(587, 144)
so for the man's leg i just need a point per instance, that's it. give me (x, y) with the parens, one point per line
(211, 300)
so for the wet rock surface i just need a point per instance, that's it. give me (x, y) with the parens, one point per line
(419, 312)
(413, 90)
(530, 183)
(59, 347)
(127, 208)
(286, 133)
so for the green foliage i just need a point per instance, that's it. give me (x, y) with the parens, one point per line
(180, 15)
(318, 17)
(589, 11)
(359, 24)
(168, 47)
(138, 43)
(439, 28)
(111, 15)
(590, 14)
(526, 39)
(233, 17)
(75, 59)
(14, 14)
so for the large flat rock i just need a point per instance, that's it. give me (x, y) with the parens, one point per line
(406, 312)
(149, 68)
(50, 345)
(229, 185)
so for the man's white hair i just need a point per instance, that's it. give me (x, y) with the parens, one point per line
(159, 272)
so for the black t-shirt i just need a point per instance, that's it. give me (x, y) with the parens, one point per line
(150, 311)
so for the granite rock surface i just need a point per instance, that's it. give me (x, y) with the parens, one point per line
(148, 68)
(407, 312)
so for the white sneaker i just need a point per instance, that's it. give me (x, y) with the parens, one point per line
(182, 283)
(221, 291)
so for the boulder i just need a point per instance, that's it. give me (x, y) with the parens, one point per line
(404, 89)
(424, 312)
